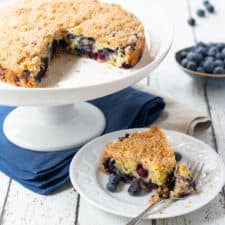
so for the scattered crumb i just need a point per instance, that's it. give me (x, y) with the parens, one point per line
(154, 198)
(84, 61)
(77, 71)
(161, 212)
(187, 205)
(69, 61)
(56, 85)
(61, 74)
(207, 173)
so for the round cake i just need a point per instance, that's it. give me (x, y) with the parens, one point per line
(33, 32)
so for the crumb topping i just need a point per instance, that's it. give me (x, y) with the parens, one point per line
(149, 147)
(26, 27)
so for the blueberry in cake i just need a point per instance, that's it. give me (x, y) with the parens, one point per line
(183, 185)
(146, 161)
(32, 32)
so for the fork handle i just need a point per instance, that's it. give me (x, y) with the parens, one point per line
(137, 219)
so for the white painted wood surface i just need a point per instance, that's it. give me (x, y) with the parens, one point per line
(19, 206)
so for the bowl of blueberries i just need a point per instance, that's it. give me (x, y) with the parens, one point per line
(204, 60)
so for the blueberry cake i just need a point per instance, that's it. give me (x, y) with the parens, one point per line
(146, 161)
(183, 184)
(33, 32)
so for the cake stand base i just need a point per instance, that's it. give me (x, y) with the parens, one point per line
(53, 128)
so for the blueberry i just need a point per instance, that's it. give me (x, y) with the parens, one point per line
(210, 45)
(126, 178)
(208, 66)
(62, 44)
(53, 49)
(184, 62)
(151, 186)
(220, 46)
(141, 171)
(201, 44)
(191, 21)
(111, 187)
(71, 36)
(109, 165)
(178, 156)
(223, 51)
(219, 56)
(43, 69)
(210, 8)
(114, 178)
(191, 65)
(200, 69)
(206, 3)
(209, 58)
(134, 188)
(201, 13)
(193, 56)
(201, 50)
(113, 182)
(183, 54)
(212, 51)
(219, 63)
(219, 70)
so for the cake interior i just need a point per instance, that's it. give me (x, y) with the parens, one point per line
(85, 47)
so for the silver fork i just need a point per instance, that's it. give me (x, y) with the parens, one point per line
(196, 170)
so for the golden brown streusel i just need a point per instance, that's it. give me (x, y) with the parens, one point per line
(28, 26)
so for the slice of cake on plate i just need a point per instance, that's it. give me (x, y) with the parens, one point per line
(147, 162)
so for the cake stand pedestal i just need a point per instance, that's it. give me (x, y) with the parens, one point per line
(55, 127)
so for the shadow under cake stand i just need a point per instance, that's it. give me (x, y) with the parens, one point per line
(56, 117)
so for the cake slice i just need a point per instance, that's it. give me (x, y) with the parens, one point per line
(32, 32)
(145, 157)
(184, 184)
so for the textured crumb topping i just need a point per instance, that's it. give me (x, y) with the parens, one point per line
(26, 27)
(150, 148)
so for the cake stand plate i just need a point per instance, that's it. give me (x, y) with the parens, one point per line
(54, 116)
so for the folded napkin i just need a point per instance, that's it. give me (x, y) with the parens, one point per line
(179, 117)
(44, 172)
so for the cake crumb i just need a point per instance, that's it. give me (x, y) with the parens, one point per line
(61, 74)
(77, 71)
(187, 205)
(154, 198)
(207, 173)
(69, 61)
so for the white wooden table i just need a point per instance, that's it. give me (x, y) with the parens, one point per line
(19, 206)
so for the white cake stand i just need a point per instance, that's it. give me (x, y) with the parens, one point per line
(55, 116)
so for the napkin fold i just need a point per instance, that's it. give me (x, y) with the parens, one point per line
(44, 172)
(179, 117)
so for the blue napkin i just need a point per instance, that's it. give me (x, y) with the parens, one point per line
(44, 172)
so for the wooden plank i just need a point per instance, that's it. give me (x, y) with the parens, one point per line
(90, 215)
(24, 207)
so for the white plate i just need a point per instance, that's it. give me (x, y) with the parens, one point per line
(90, 183)
(85, 79)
